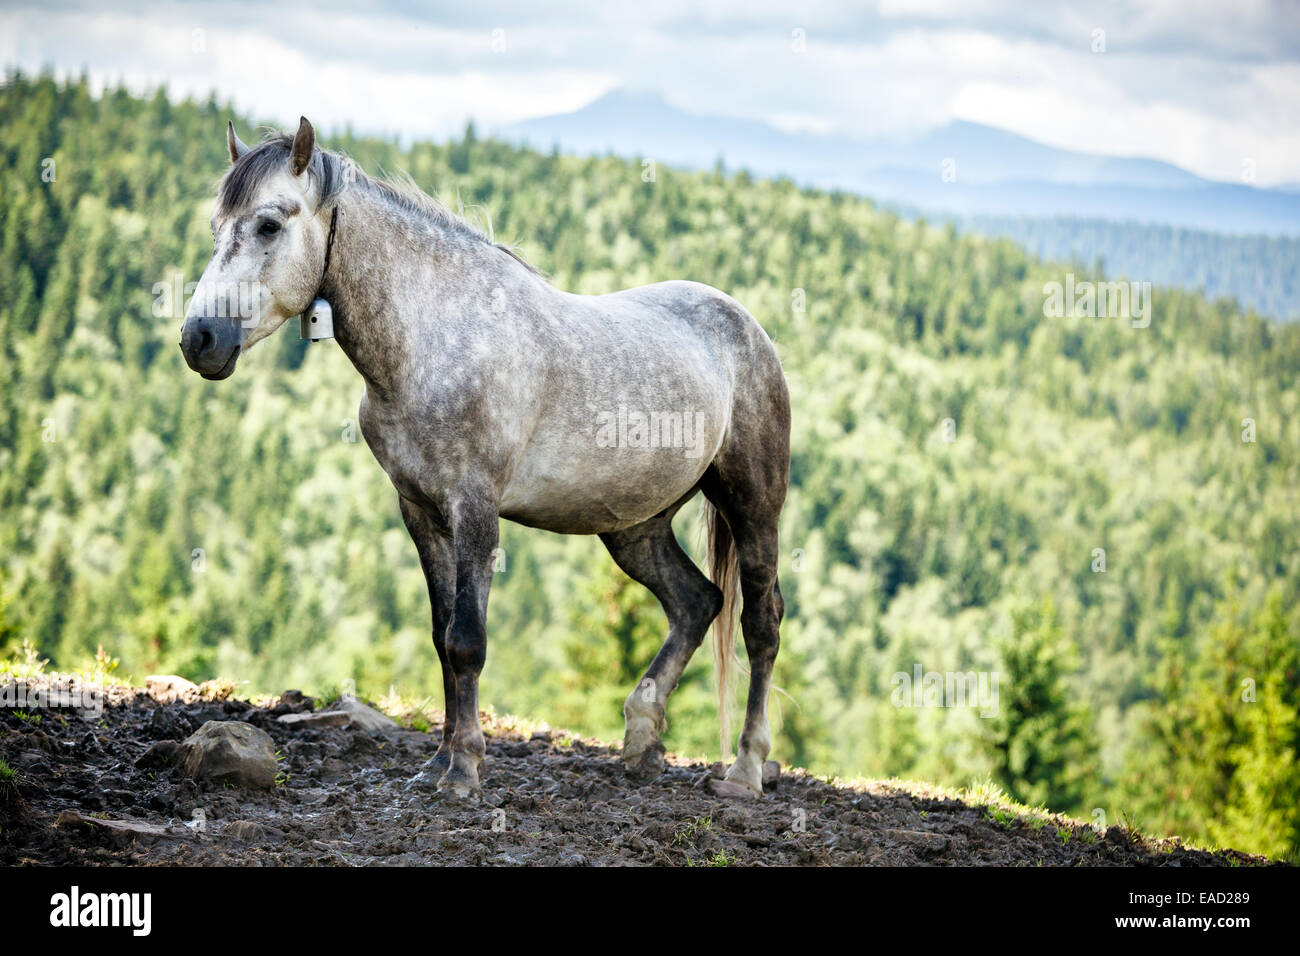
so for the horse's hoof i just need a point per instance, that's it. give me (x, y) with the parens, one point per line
(733, 790)
(646, 766)
(743, 781)
(457, 789)
(460, 781)
(434, 769)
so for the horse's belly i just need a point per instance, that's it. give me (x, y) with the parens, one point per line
(629, 467)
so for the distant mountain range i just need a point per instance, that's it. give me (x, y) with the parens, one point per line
(990, 172)
(1141, 218)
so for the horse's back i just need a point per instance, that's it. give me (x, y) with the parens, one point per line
(737, 339)
(639, 402)
(703, 332)
(714, 317)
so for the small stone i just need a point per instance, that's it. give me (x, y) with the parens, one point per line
(231, 751)
(246, 831)
(771, 774)
(167, 688)
(325, 718)
(67, 818)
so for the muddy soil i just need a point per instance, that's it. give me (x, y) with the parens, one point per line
(86, 793)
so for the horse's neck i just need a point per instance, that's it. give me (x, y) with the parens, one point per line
(383, 284)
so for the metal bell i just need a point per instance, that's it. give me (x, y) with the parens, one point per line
(317, 321)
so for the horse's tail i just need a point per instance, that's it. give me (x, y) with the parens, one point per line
(724, 569)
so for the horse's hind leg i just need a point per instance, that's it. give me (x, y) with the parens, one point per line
(760, 622)
(650, 554)
(747, 484)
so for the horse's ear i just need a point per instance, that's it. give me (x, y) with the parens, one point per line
(236, 146)
(303, 145)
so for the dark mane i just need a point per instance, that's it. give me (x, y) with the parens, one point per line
(330, 172)
(245, 177)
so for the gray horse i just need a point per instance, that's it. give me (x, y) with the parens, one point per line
(491, 394)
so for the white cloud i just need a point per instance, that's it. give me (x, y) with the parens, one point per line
(281, 76)
(1197, 83)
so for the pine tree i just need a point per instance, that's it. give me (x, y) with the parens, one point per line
(616, 629)
(1040, 739)
(1220, 759)
(1247, 706)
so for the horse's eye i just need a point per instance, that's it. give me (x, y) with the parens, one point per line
(268, 228)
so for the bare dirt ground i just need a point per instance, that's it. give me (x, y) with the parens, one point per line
(89, 790)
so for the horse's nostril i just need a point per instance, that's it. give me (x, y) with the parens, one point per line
(205, 341)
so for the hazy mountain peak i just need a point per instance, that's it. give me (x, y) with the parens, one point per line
(961, 168)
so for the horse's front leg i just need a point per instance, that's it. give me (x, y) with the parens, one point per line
(438, 561)
(473, 516)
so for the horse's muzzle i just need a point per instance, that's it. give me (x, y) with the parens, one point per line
(211, 346)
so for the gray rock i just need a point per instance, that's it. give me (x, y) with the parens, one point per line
(123, 829)
(230, 751)
(362, 717)
(345, 712)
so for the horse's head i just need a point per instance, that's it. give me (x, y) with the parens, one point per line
(269, 248)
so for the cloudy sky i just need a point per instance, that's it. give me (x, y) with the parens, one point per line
(1205, 84)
